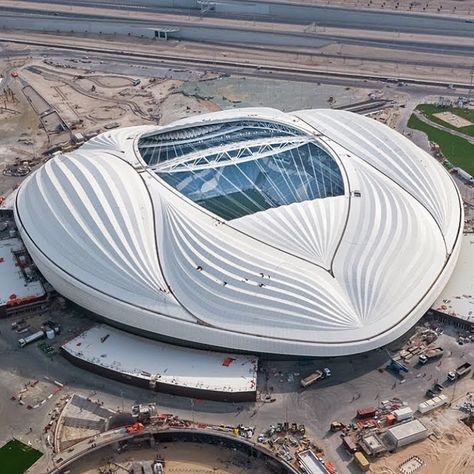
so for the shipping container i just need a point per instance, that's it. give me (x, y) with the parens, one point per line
(433, 403)
(368, 412)
(349, 444)
(405, 413)
(407, 433)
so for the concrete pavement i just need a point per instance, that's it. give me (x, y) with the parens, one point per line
(356, 382)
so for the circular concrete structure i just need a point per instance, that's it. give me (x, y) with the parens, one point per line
(312, 233)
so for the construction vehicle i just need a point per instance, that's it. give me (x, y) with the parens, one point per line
(143, 413)
(135, 428)
(461, 371)
(271, 431)
(430, 393)
(31, 338)
(430, 354)
(18, 324)
(396, 367)
(244, 431)
(337, 426)
(315, 376)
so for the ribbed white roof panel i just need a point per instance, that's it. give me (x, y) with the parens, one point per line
(328, 276)
(94, 219)
(399, 159)
(259, 289)
(311, 230)
(390, 240)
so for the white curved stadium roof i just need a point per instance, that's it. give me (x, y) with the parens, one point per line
(315, 233)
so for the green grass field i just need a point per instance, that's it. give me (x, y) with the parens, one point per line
(16, 457)
(457, 150)
(430, 109)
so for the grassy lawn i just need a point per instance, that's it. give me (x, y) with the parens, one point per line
(16, 457)
(468, 114)
(457, 150)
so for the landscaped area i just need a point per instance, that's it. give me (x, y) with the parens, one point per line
(457, 150)
(16, 457)
(429, 110)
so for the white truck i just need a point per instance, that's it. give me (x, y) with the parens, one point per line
(461, 371)
(430, 354)
(315, 376)
(31, 338)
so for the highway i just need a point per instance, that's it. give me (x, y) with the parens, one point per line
(294, 12)
(301, 38)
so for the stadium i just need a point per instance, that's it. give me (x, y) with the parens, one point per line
(311, 233)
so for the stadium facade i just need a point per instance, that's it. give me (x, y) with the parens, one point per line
(312, 233)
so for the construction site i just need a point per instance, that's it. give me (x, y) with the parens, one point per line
(387, 411)
(407, 408)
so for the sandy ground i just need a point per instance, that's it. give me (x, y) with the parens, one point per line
(19, 120)
(20, 136)
(453, 119)
(87, 102)
(180, 458)
(93, 99)
(450, 450)
(90, 94)
(177, 106)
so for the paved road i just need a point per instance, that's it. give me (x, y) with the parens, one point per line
(28, 16)
(354, 17)
(356, 382)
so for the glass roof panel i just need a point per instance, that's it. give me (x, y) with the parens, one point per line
(163, 147)
(239, 169)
